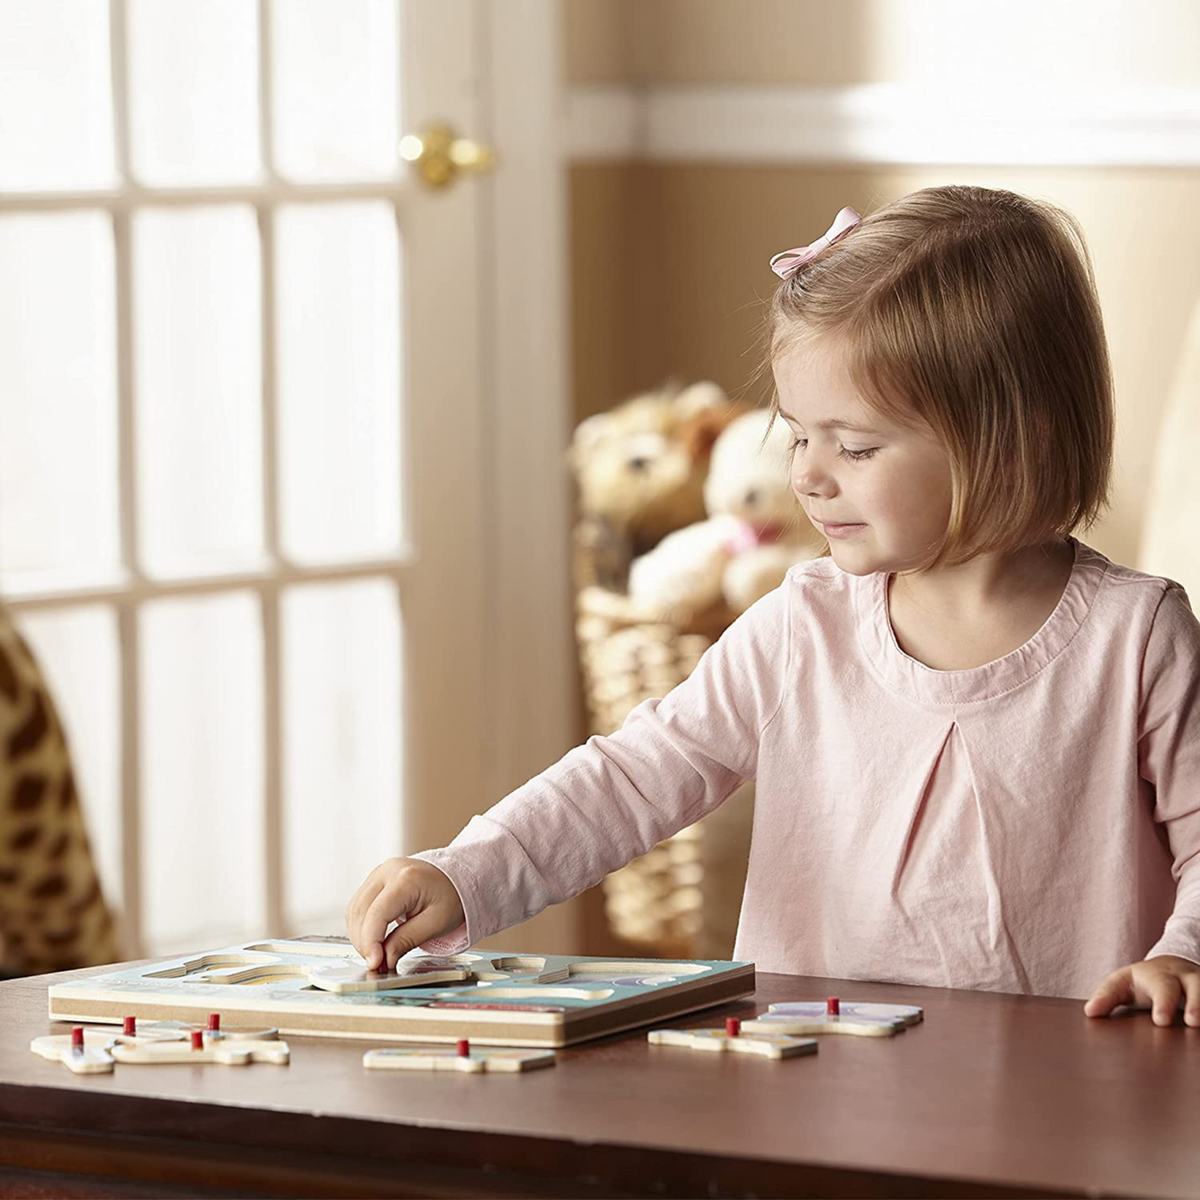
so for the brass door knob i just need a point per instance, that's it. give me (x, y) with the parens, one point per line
(439, 155)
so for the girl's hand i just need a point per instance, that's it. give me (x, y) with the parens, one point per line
(407, 890)
(1159, 983)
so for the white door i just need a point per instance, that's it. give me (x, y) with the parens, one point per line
(243, 510)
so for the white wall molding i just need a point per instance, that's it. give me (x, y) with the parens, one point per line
(884, 124)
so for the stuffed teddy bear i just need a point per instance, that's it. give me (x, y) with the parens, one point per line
(640, 470)
(753, 533)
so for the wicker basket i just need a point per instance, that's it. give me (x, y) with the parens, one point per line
(630, 653)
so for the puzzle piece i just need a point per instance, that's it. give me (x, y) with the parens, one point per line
(164, 1031)
(907, 1013)
(203, 1047)
(811, 1018)
(92, 1051)
(461, 1058)
(768, 1045)
(80, 1054)
(89, 1051)
(354, 977)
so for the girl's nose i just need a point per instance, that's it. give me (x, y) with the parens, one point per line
(809, 482)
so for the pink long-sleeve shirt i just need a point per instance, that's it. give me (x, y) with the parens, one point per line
(1029, 825)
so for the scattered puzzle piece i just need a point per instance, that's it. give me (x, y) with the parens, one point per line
(178, 1030)
(768, 1045)
(150, 1031)
(202, 1047)
(83, 1056)
(461, 1058)
(820, 1024)
(91, 1051)
(809, 1018)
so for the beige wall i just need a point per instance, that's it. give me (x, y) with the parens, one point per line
(669, 261)
(1097, 43)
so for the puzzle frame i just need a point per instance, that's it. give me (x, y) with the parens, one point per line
(535, 1000)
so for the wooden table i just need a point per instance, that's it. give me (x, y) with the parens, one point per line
(992, 1095)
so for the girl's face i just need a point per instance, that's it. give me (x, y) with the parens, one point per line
(851, 466)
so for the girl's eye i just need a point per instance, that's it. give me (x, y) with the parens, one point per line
(852, 455)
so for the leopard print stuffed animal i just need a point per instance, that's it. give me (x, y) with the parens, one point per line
(52, 912)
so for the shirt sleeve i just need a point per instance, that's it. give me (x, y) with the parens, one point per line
(614, 798)
(1169, 758)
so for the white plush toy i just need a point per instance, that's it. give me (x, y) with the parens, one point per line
(754, 531)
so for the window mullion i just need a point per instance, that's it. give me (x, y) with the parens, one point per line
(119, 58)
(273, 816)
(127, 608)
(273, 900)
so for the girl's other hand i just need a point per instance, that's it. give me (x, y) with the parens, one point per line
(1158, 983)
(407, 890)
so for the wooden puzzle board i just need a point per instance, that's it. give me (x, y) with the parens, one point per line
(510, 999)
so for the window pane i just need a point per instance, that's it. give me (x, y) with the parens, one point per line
(56, 128)
(341, 755)
(58, 453)
(78, 652)
(198, 349)
(338, 305)
(193, 91)
(335, 65)
(202, 771)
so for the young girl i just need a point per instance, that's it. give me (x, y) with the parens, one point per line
(976, 739)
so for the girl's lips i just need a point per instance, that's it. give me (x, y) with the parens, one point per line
(843, 530)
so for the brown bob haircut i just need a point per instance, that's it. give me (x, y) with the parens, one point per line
(972, 312)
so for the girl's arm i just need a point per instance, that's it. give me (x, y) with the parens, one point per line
(614, 798)
(1169, 758)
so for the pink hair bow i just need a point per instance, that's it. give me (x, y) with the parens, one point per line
(787, 262)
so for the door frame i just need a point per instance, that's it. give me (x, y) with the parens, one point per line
(516, 623)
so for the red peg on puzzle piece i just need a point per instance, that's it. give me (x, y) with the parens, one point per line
(197, 1039)
(833, 1006)
(214, 1022)
(77, 1038)
(464, 1048)
(129, 1027)
(733, 1027)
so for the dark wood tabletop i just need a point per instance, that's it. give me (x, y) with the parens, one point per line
(991, 1095)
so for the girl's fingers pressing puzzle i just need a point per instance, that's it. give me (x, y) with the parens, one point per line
(413, 893)
(360, 928)
(356, 909)
(411, 933)
(396, 901)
